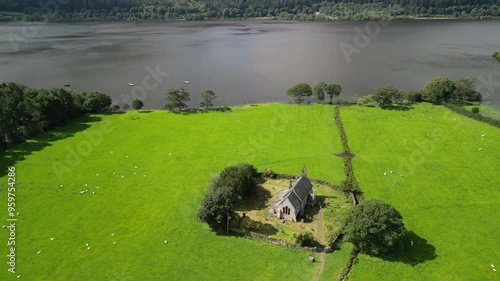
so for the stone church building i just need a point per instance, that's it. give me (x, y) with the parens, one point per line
(290, 203)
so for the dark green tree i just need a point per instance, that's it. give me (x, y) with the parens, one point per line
(216, 207)
(96, 102)
(438, 90)
(465, 90)
(207, 98)
(114, 108)
(54, 107)
(319, 91)
(177, 98)
(242, 178)
(333, 90)
(413, 96)
(385, 96)
(299, 91)
(373, 226)
(137, 104)
(26, 112)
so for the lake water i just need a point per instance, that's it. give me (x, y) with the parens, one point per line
(248, 61)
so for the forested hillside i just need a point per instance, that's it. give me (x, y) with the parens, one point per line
(68, 10)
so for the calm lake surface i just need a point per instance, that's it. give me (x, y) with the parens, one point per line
(248, 61)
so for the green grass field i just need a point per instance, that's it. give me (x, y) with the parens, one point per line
(448, 193)
(151, 169)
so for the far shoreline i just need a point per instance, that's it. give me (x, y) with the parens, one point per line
(260, 19)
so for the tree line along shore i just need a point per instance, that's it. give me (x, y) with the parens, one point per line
(304, 10)
(26, 112)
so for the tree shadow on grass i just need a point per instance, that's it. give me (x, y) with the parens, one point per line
(399, 107)
(190, 111)
(256, 201)
(412, 251)
(264, 229)
(312, 211)
(19, 152)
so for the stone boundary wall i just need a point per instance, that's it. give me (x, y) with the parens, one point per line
(275, 241)
(290, 177)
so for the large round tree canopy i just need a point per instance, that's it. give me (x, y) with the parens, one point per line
(373, 226)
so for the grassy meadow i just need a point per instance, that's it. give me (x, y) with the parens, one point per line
(143, 176)
(138, 178)
(445, 183)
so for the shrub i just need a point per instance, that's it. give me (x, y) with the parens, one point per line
(269, 173)
(305, 239)
(364, 101)
(413, 96)
(475, 110)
